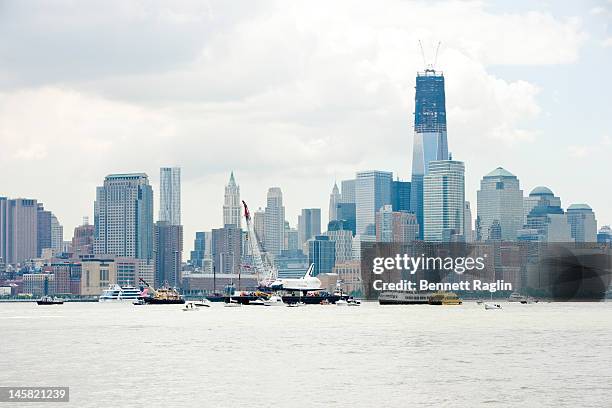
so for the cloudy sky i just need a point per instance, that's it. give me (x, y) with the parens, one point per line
(296, 95)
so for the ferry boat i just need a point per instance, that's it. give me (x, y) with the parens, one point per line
(48, 300)
(445, 298)
(393, 297)
(119, 293)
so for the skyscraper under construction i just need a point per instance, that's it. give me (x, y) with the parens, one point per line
(430, 142)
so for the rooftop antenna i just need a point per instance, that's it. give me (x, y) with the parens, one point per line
(436, 58)
(423, 54)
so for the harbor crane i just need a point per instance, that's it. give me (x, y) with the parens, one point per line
(264, 269)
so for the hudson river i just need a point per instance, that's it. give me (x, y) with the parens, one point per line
(119, 355)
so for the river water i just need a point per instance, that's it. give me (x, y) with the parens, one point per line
(119, 355)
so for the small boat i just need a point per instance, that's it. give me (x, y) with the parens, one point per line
(341, 302)
(296, 304)
(232, 303)
(517, 297)
(48, 300)
(139, 302)
(257, 302)
(203, 303)
(492, 306)
(353, 302)
(189, 307)
(274, 300)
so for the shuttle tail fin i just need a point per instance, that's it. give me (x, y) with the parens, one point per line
(309, 272)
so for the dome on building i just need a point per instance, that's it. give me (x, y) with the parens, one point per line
(500, 172)
(541, 190)
(579, 207)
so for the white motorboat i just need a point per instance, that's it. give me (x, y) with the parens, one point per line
(189, 307)
(203, 303)
(516, 297)
(274, 300)
(296, 304)
(341, 302)
(492, 306)
(354, 302)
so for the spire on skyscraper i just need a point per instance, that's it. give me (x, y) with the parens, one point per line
(231, 203)
(334, 199)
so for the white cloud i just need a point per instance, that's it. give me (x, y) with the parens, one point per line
(289, 94)
(578, 152)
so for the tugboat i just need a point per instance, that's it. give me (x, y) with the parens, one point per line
(48, 300)
(162, 296)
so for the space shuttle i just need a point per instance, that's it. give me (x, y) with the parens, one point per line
(304, 284)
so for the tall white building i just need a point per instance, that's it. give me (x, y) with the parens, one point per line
(343, 240)
(170, 195)
(581, 219)
(231, 204)
(334, 198)
(259, 226)
(57, 234)
(372, 191)
(274, 222)
(309, 224)
(348, 191)
(468, 230)
(444, 201)
(500, 206)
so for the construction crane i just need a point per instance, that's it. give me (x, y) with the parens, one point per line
(150, 288)
(265, 271)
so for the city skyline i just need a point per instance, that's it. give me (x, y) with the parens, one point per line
(516, 100)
